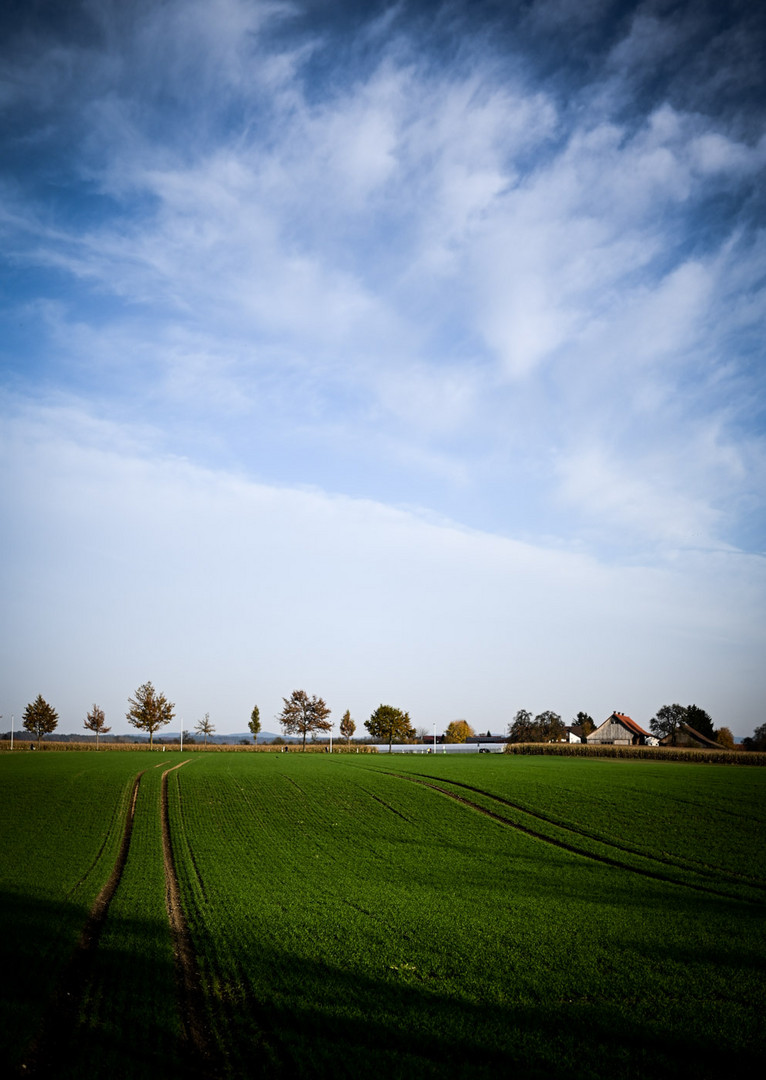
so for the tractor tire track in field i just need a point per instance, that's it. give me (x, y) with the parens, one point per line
(213, 1047)
(675, 864)
(388, 806)
(605, 860)
(115, 813)
(190, 991)
(62, 1017)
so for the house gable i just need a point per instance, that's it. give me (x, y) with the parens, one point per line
(619, 730)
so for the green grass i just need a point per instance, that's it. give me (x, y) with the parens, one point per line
(350, 920)
(129, 1024)
(397, 916)
(62, 817)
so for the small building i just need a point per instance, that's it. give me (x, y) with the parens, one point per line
(619, 730)
(685, 735)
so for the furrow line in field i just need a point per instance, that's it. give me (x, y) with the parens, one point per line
(44, 1056)
(294, 783)
(191, 856)
(393, 809)
(225, 990)
(374, 917)
(100, 852)
(605, 860)
(679, 863)
(191, 998)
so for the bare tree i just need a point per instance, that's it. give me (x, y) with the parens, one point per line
(205, 726)
(95, 721)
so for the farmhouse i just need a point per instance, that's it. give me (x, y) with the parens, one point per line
(684, 735)
(620, 730)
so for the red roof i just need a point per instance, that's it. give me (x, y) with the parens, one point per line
(631, 725)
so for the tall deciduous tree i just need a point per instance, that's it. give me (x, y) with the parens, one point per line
(149, 711)
(724, 738)
(95, 721)
(667, 721)
(458, 731)
(303, 715)
(549, 727)
(255, 722)
(521, 728)
(347, 726)
(389, 723)
(40, 718)
(205, 726)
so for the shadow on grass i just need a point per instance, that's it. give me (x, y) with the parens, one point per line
(108, 1012)
(314, 1020)
(280, 1016)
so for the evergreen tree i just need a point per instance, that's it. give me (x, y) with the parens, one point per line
(700, 720)
(255, 723)
(40, 718)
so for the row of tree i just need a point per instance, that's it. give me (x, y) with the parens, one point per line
(308, 716)
(302, 715)
(547, 726)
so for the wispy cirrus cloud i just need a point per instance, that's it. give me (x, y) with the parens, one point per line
(434, 258)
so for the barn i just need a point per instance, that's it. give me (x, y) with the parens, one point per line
(620, 730)
(685, 735)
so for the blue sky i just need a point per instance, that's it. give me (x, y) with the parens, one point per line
(403, 353)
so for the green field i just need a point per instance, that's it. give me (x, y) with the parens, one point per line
(384, 916)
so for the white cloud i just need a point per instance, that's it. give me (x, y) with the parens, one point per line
(425, 284)
(224, 592)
